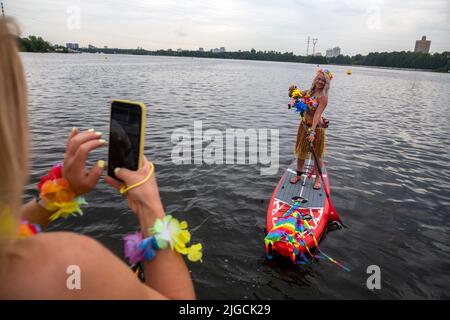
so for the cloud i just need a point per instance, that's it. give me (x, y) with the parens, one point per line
(181, 33)
(282, 25)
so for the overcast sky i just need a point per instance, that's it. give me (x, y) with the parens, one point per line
(283, 25)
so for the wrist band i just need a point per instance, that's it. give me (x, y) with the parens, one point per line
(60, 199)
(166, 232)
(125, 188)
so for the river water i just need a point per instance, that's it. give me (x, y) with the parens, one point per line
(388, 157)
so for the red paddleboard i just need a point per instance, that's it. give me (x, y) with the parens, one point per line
(314, 205)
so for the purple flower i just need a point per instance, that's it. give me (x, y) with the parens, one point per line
(132, 247)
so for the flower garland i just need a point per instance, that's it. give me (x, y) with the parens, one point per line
(166, 232)
(8, 226)
(301, 102)
(60, 198)
(304, 102)
(326, 72)
(27, 229)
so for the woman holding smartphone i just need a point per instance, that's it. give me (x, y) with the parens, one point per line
(37, 267)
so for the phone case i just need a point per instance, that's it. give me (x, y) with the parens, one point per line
(143, 124)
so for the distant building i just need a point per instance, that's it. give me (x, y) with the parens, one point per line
(333, 52)
(179, 50)
(201, 50)
(90, 46)
(318, 54)
(215, 50)
(73, 46)
(222, 49)
(423, 45)
(106, 47)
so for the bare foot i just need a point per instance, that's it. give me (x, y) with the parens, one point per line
(295, 179)
(317, 185)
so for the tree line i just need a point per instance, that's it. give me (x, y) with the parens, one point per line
(403, 59)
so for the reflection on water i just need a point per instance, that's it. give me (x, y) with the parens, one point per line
(388, 158)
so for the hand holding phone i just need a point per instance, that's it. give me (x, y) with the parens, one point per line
(143, 200)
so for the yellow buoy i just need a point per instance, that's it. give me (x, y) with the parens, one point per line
(349, 72)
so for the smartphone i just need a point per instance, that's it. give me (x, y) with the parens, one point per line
(126, 135)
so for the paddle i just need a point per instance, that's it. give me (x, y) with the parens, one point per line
(332, 211)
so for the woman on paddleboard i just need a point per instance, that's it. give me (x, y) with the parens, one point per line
(64, 265)
(312, 125)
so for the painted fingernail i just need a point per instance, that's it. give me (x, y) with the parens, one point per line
(101, 164)
(98, 133)
(91, 130)
(102, 141)
(74, 129)
(116, 170)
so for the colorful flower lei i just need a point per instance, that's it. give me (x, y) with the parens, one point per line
(301, 102)
(166, 232)
(60, 198)
(28, 229)
(327, 72)
(8, 226)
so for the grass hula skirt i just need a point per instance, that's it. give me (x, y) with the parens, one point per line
(302, 144)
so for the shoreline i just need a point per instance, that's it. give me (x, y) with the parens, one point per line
(259, 60)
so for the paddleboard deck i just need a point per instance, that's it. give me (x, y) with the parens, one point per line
(313, 207)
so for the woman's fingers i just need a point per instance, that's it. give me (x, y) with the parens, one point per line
(83, 150)
(95, 173)
(130, 177)
(79, 139)
(113, 182)
(144, 161)
(145, 165)
(72, 134)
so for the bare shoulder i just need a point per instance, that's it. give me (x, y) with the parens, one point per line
(64, 265)
(323, 100)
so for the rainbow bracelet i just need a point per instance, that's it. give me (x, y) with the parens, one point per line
(60, 199)
(311, 132)
(166, 232)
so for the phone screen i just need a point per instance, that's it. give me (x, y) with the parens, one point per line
(124, 136)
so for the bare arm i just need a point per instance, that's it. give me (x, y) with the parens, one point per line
(34, 213)
(80, 179)
(318, 114)
(167, 273)
(43, 271)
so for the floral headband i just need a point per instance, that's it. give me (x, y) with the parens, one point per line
(325, 72)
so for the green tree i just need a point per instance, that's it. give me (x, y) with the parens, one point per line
(34, 44)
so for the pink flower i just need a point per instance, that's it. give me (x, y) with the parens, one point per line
(132, 251)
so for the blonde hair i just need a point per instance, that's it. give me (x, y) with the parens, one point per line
(13, 130)
(326, 88)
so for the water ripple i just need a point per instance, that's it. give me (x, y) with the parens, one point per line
(387, 155)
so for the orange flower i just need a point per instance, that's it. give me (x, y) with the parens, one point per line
(57, 191)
